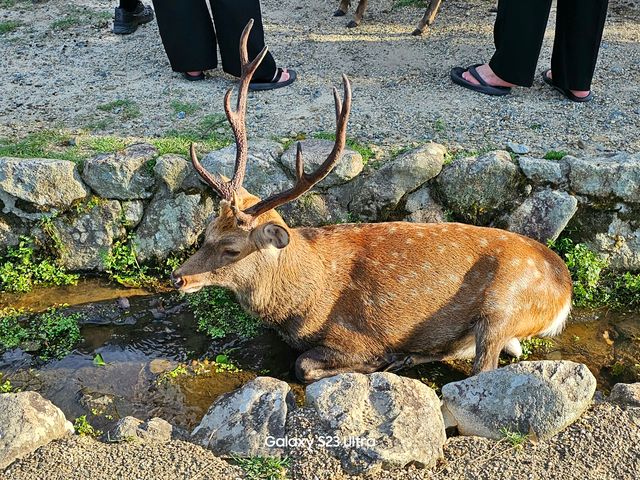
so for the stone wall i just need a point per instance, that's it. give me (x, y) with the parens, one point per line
(164, 204)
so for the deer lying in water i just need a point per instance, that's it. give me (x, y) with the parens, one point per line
(363, 297)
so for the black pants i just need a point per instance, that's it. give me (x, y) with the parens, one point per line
(190, 40)
(519, 31)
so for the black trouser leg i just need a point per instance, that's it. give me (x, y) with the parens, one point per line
(129, 5)
(578, 35)
(230, 18)
(187, 34)
(518, 34)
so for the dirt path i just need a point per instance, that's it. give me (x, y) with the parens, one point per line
(58, 69)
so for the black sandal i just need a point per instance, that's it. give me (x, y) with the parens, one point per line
(193, 78)
(275, 83)
(484, 87)
(567, 93)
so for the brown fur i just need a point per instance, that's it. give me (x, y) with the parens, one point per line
(359, 297)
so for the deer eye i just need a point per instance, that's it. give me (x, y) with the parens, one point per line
(230, 253)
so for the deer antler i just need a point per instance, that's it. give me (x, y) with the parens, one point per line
(305, 181)
(237, 120)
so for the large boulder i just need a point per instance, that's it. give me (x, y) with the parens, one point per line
(479, 188)
(616, 176)
(27, 422)
(171, 171)
(245, 422)
(87, 236)
(376, 195)
(543, 215)
(315, 152)
(536, 398)
(396, 420)
(42, 184)
(264, 175)
(172, 224)
(125, 175)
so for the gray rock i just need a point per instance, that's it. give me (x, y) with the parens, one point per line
(477, 189)
(396, 419)
(517, 148)
(543, 171)
(171, 224)
(44, 184)
(374, 196)
(264, 175)
(122, 175)
(10, 231)
(241, 423)
(619, 243)
(130, 429)
(132, 213)
(613, 176)
(543, 215)
(315, 152)
(626, 394)
(27, 422)
(537, 398)
(423, 208)
(313, 209)
(89, 235)
(171, 171)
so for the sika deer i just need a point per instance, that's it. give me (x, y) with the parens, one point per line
(362, 297)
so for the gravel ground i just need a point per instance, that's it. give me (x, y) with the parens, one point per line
(57, 75)
(604, 444)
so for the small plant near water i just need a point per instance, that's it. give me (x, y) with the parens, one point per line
(121, 264)
(264, 468)
(21, 269)
(219, 314)
(82, 427)
(516, 439)
(6, 387)
(535, 345)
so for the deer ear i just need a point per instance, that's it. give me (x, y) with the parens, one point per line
(269, 234)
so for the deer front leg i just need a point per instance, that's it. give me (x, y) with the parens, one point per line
(321, 362)
(343, 8)
(429, 17)
(357, 18)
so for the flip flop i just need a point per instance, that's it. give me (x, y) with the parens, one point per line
(484, 87)
(565, 92)
(271, 85)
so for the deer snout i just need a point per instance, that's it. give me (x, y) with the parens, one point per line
(176, 280)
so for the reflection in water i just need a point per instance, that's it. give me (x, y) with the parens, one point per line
(146, 336)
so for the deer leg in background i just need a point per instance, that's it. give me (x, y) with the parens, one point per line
(489, 344)
(399, 361)
(343, 8)
(429, 17)
(321, 362)
(357, 18)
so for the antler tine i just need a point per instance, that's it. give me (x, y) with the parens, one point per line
(220, 187)
(304, 181)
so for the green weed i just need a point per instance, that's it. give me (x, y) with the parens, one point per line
(516, 439)
(207, 134)
(440, 126)
(264, 468)
(6, 387)
(121, 264)
(535, 345)
(9, 26)
(187, 107)
(106, 144)
(43, 144)
(82, 427)
(555, 155)
(408, 3)
(366, 152)
(219, 314)
(125, 108)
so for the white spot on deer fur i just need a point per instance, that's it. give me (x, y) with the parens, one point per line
(419, 234)
(392, 229)
(531, 262)
(515, 262)
(426, 265)
(469, 258)
(483, 242)
(334, 265)
(557, 324)
(454, 278)
(497, 250)
(440, 249)
(409, 241)
(503, 237)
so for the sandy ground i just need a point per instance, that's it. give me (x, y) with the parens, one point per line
(603, 445)
(402, 93)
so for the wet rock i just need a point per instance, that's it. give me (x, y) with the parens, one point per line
(29, 186)
(517, 148)
(477, 189)
(10, 231)
(172, 224)
(241, 422)
(123, 303)
(315, 152)
(264, 174)
(543, 215)
(612, 176)
(130, 429)
(397, 419)
(626, 394)
(27, 422)
(374, 196)
(538, 398)
(171, 170)
(88, 236)
(542, 171)
(124, 175)
(132, 213)
(423, 208)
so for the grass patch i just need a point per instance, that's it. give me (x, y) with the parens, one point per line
(21, 269)
(264, 468)
(124, 108)
(187, 107)
(516, 439)
(51, 334)
(122, 266)
(366, 152)
(82, 427)
(105, 144)
(555, 155)
(219, 314)
(69, 21)
(211, 133)
(43, 144)
(9, 26)
(408, 3)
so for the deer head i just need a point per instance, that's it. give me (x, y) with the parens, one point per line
(247, 231)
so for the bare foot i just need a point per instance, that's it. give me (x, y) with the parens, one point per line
(488, 76)
(577, 93)
(284, 77)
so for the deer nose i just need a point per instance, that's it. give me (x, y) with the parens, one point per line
(176, 280)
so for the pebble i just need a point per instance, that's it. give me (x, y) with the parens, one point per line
(181, 115)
